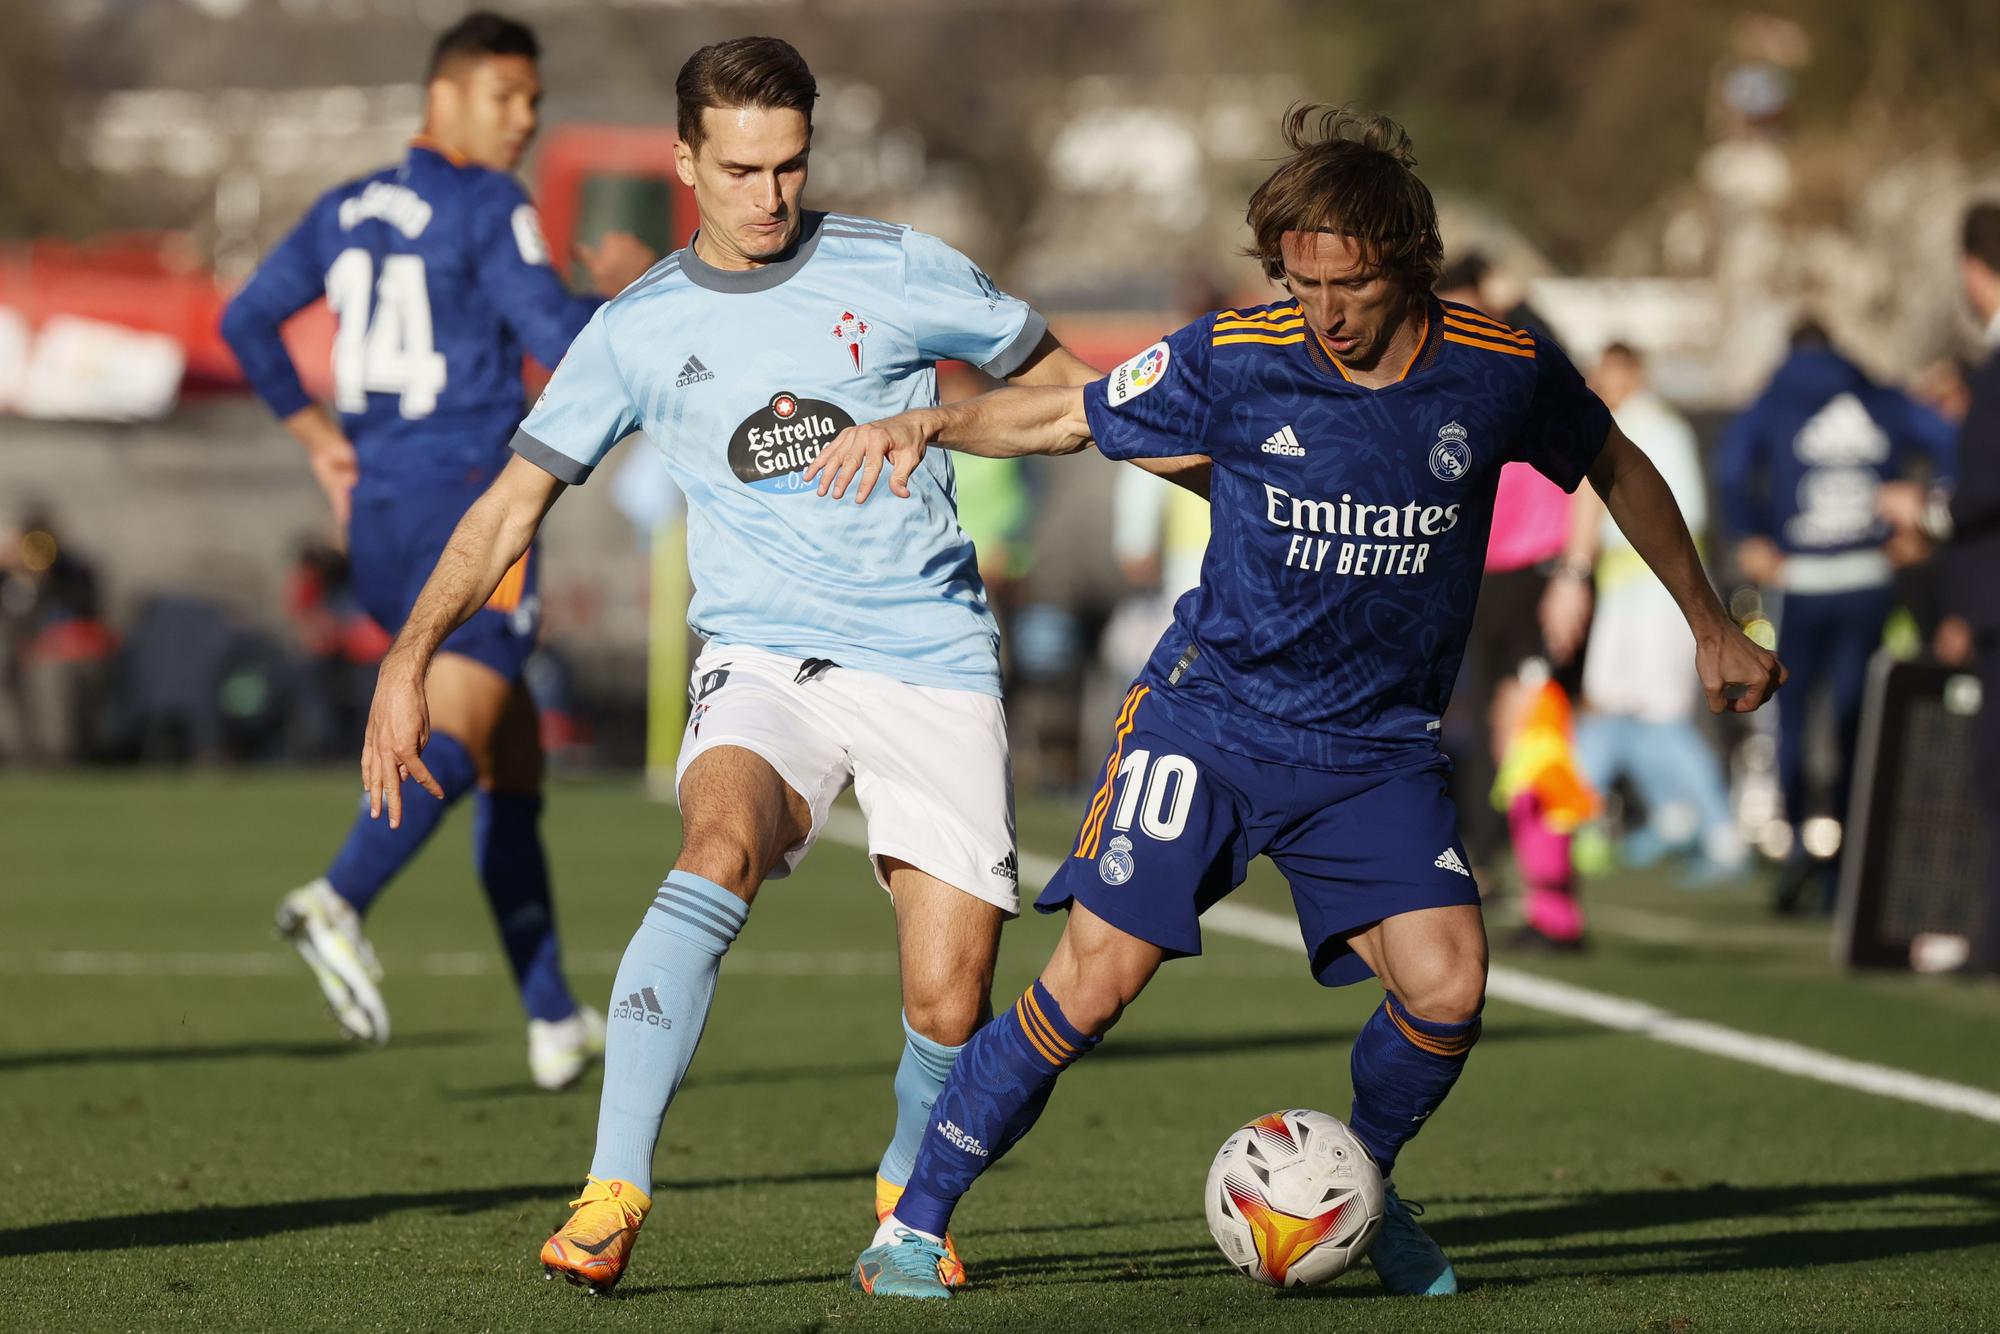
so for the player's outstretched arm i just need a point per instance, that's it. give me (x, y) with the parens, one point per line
(494, 534)
(1052, 363)
(1007, 423)
(1736, 675)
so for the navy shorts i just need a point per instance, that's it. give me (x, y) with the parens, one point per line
(394, 540)
(1173, 828)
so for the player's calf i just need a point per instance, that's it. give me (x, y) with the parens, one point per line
(947, 939)
(996, 1092)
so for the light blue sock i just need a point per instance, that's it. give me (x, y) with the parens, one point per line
(659, 1003)
(919, 1079)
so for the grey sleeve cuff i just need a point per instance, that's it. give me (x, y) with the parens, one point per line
(553, 462)
(1018, 351)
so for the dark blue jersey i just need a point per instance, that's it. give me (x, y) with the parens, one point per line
(1802, 464)
(1349, 524)
(439, 278)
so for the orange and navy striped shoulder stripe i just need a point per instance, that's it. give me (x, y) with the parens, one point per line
(1275, 325)
(1469, 328)
(1100, 805)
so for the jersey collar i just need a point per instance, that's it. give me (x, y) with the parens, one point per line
(760, 279)
(1420, 360)
(430, 145)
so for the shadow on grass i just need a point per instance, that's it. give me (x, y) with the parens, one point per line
(1796, 1226)
(1302, 1039)
(1129, 1049)
(212, 1223)
(225, 1051)
(1161, 1263)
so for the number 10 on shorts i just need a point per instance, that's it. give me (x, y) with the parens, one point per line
(1158, 793)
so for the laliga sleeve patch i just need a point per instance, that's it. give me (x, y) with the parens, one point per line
(1133, 378)
(528, 236)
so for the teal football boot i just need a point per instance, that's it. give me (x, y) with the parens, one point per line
(904, 1267)
(1407, 1261)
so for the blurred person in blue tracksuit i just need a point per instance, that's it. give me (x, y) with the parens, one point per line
(1799, 473)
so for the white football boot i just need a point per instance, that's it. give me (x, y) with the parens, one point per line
(326, 932)
(560, 1050)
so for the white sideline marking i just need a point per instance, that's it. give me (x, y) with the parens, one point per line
(1597, 1007)
(1512, 985)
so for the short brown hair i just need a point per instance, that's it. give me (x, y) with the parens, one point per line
(1349, 174)
(1982, 234)
(766, 72)
(482, 33)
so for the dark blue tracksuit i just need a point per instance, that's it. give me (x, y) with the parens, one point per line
(1801, 466)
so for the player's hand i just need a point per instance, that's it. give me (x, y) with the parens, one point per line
(336, 470)
(1760, 560)
(1902, 504)
(399, 723)
(1952, 644)
(1565, 617)
(616, 262)
(1736, 675)
(861, 451)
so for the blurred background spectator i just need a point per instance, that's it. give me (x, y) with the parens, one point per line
(1969, 633)
(1638, 724)
(1800, 471)
(54, 646)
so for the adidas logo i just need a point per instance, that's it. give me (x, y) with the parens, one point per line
(1283, 443)
(1448, 859)
(644, 1006)
(1007, 868)
(693, 373)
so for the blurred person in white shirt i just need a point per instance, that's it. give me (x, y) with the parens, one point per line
(1638, 721)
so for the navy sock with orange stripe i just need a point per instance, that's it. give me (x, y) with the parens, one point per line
(996, 1093)
(1402, 1067)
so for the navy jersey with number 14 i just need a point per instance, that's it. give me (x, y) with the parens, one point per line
(1349, 523)
(439, 278)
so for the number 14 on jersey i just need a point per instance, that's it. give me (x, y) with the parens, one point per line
(383, 343)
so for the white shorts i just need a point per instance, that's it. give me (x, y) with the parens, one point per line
(929, 766)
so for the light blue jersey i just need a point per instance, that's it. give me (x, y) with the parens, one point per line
(739, 378)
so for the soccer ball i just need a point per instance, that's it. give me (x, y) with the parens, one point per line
(1294, 1199)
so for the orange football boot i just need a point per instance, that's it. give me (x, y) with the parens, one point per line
(951, 1270)
(590, 1250)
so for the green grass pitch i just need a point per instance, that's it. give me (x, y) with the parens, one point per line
(186, 1144)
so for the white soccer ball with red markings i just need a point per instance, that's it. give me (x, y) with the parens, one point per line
(1293, 1199)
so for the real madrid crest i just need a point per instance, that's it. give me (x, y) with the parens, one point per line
(1451, 457)
(1115, 866)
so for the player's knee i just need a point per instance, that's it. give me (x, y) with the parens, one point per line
(1450, 994)
(726, 859)
(479, 749)
(947, 1016)
(1092, 993)
(1093, 1007)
